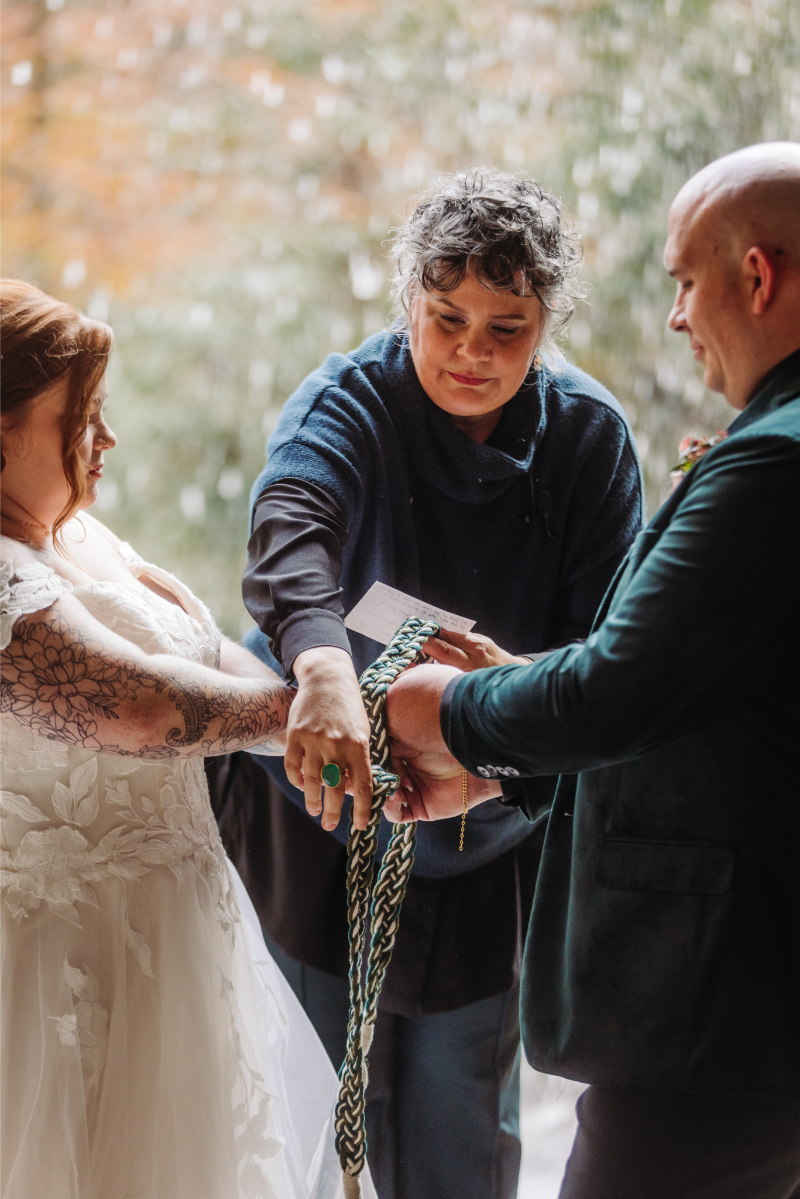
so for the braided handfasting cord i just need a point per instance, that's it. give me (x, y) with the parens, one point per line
(351, 1140)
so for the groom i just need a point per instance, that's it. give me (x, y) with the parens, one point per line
(661, 963)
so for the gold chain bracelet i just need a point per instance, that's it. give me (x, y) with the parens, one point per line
(465, 797)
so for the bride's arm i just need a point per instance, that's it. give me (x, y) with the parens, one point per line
(67, 677)
(236, 660)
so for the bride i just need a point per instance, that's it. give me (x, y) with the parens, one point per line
(151, 1048)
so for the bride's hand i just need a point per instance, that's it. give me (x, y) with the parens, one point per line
(469, 651)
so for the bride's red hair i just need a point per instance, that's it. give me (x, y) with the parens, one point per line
(44, 341)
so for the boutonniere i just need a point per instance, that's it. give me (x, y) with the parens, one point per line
(691, 450)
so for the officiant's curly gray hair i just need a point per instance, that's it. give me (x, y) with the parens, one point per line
(504, 227)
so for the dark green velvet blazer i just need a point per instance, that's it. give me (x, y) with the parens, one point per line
(663, 945)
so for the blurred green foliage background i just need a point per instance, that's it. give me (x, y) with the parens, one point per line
(218, 181)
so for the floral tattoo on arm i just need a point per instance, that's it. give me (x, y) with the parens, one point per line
(65, 689)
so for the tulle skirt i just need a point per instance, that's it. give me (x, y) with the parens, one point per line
(188, 1071)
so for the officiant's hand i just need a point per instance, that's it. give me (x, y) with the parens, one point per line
(430, 777)
(328, 724)
(469, 651)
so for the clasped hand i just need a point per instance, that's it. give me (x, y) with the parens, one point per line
(327, 723)
(430, 777)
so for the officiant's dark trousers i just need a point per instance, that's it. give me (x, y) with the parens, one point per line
(665, 1145)
(443, 1097)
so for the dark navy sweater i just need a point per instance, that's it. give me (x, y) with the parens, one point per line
(522, 533)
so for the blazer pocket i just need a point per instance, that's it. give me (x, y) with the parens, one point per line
(671, 867)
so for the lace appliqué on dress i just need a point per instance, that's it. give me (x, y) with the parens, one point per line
(51, 866)
(24, 589)
(83, 1032)
(252, 1113)
(57, 865)
(28, 588)
(25, 750)
(129, 556)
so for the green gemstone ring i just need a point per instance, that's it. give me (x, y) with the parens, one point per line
(331, 775)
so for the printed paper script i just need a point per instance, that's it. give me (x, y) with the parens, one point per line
(383, 609)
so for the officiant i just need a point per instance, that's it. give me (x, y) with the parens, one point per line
(456, 458)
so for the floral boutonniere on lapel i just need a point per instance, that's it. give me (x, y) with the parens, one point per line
(691, 450)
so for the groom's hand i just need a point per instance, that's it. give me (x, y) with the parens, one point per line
(430, 777)
(328, 724)
(412, 713)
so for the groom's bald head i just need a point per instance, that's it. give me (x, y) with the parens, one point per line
(751, 197)
(734, 249)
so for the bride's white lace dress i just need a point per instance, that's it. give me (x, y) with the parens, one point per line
(151, 1048)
